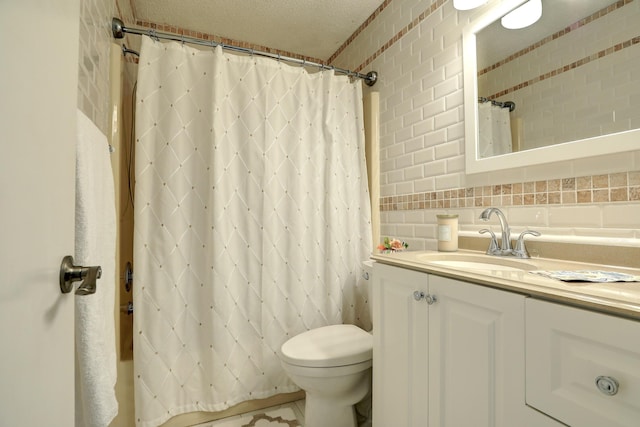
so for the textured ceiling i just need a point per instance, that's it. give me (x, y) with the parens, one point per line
(313, 28)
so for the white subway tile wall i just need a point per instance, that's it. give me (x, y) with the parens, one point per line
(416, 47)
(94, 57)
(93, 67)
(417, 50)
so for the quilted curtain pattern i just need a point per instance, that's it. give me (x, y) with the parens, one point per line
(252, 217)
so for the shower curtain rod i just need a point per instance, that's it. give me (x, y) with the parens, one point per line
(118, 29)
(507, 104)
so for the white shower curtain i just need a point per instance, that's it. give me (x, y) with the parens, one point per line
(251, 220)
(494, 129)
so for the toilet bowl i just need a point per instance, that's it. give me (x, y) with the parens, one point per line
(332, 364)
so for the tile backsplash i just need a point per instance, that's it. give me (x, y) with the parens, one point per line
(616, 187)
(599, 209)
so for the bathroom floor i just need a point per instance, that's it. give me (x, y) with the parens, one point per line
(289, 415)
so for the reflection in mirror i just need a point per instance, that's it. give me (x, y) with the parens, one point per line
(573, 76)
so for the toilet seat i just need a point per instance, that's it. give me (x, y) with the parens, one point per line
(329, 346)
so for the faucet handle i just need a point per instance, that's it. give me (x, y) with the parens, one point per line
(493, 244)
(521, 251)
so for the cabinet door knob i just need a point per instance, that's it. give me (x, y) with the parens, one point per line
(431, 299)
(607, 385)
(418, 295)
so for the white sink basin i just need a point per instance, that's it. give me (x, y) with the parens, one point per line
(464, 261)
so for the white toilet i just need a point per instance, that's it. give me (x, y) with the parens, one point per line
(332, 365)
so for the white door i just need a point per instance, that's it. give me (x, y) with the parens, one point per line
(38, 86)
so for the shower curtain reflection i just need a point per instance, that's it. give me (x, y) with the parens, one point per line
(251, 220)
(494, 130)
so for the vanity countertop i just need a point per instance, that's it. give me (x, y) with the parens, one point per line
(618, 298)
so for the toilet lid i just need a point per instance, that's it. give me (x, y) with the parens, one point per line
(335, 345)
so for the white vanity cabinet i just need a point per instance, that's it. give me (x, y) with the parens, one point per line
(583, 368)
(447, 353)
(476, 357)
(400, 336)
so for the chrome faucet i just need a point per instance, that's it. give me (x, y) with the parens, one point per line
(505, 248)
(505, 243)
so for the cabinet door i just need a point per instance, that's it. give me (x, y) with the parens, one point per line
(583, 368)
(400, 348)
(476, 357)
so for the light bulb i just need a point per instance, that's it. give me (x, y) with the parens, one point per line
(467, 4)
(523, 16)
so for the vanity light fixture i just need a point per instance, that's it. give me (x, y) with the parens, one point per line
(468, 4)
(523, 16)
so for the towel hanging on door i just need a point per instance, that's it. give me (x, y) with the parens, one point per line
(95, 244)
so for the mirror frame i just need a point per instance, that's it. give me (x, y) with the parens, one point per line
(583, 148)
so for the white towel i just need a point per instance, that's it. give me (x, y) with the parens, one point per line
(95, 244)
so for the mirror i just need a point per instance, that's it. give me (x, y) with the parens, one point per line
(574, 77)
